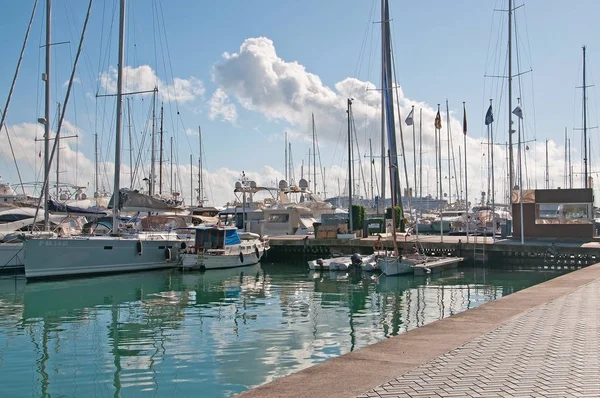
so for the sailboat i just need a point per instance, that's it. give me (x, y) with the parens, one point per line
(68, 256)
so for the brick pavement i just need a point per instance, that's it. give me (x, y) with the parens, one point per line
(550, 351)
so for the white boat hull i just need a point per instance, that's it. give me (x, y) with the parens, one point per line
(391, 266)
(219, 261)
(50, 257)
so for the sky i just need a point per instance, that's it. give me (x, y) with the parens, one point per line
(248, 72)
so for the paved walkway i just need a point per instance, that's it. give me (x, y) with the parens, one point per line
(543, 341)
(551, 351)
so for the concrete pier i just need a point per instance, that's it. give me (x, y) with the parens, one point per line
(542, 341)
(574, 252)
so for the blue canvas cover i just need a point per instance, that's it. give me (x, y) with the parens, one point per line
(232, 237)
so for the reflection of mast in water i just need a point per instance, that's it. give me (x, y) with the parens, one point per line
(408, 320)
(114, 332)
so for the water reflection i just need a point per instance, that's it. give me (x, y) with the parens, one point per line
(219, 332)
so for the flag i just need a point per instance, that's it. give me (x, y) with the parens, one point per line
(518, 111)
(526, 147)
(489, 116)
(409, 118)
(464, 120)
(438, 121)
(40, 154)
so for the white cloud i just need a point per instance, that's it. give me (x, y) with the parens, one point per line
(221, 105)
(144, 78)
(75, 80)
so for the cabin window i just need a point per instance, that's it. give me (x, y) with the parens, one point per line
(278, 218)
(563, 213)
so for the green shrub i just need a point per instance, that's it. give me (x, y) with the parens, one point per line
(358, 217)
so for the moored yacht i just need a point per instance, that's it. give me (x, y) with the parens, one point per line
(219, 246)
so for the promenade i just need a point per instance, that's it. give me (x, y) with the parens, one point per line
(543, 341)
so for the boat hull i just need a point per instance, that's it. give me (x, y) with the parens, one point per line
(47, 258)
(220, 261)
(391, 266)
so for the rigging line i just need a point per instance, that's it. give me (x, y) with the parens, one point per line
(360, 165)
(65, 102)
(12, 86)
(362, 47)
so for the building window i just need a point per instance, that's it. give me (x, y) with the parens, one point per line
(563, 213)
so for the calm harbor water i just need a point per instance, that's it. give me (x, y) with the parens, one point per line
(214, 334)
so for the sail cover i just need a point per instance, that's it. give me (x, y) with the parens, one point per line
(56, 207)
(130, 200)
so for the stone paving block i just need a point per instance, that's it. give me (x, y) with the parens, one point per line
(552, 350)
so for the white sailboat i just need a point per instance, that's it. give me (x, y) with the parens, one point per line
(62, 256)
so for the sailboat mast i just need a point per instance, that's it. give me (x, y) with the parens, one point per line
(570, 167)
(57, 138)
(160, 162)
(153, 147)
(414, 193)
(191, 179)
(448, 136)
(130, 144)
(466, 179)
(381, 206)
(119, 121)
(460, 194)
(371, 157)
(314, 156)
(350, 226)
(96, 165)
(421, 153)
(510, 108)
(200, 181)
(547, 186)
(171, 168)
(585, 146)
(46, 78)
(286, 157)
(565, 180)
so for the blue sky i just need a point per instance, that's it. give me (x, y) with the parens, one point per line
(442, 50)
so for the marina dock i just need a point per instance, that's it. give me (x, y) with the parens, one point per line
(474, 248)
(541, 341)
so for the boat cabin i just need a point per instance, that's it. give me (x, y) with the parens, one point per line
(215, 238)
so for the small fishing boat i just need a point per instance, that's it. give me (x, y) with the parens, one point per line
(217, 247)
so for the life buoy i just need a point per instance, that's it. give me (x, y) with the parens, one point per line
(241, 257)
(138, 247)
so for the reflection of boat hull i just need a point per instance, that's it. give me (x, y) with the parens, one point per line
(46, 258)
(391, 266)
(343, 263)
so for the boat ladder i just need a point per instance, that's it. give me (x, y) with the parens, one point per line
(479, 253)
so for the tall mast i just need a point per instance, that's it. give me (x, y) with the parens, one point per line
(130, 144)
(58, 158)
(547, 179)
(510, 107)
(286, 157)
(160, 162)
(371, 157)
(171, 169)
(314, 156)
(448, 134)
(153, 147)
(421, 153)
(96, 165)
(46, 78)
(308, 165)
(585, 146)
(200, 182)
(460, 193)
(414, 154)
(381, 206)
(350, 226)
(117, 180)
(565, 180)
(191, 179)
(570, 167)
(389, 105)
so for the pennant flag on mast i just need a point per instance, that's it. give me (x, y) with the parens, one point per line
(518, 111)
(409, 119)
(464, 120)
(489, 116)
(438, 121)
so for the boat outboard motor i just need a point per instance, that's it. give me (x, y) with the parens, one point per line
(356, 259)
